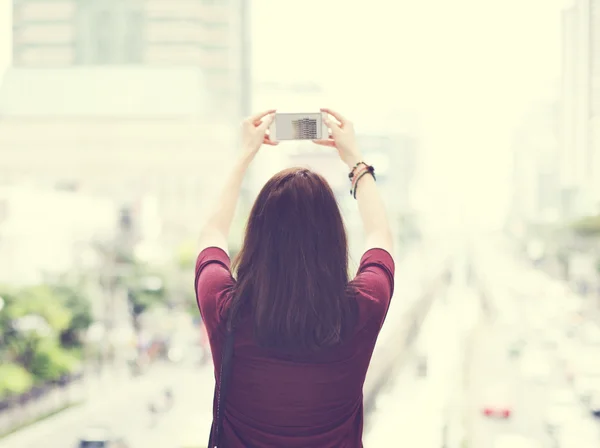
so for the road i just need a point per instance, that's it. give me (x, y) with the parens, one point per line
(125, 412)
(492, 368)
(423, 411)
(515, 316)
(123, 406)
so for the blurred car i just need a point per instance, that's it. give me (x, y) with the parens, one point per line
(100, 437)
(516, 347)
(595, 404)
(497, 403)
(582, 362)
(422, 365)
(563, 408)
(585, 386)
(515, 441)
(579, 434)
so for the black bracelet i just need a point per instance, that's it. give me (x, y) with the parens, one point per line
(353, 170)
(370, 171)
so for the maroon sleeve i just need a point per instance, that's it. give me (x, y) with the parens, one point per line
(374, 284)
(213, 283)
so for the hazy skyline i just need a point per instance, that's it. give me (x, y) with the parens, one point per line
(468, 68)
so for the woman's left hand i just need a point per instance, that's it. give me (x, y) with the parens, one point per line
(254, 131)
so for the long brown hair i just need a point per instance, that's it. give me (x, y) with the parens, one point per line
(292, 270)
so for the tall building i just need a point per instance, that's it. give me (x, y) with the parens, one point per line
(536, 170)
(76, 126)
(580, 129)
(205, 34)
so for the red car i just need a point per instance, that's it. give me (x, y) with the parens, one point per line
(497, 411)
(497, 404)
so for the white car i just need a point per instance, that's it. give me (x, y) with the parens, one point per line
(563, 408)
(586, 385)
(579, 434)
(515, 441)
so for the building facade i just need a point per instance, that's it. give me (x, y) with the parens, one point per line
(580, 101)
(76, 127)
(200, 33)
(536, 170)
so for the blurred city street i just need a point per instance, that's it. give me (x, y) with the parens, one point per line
(119, 120)
(124, 408)
(418, 404)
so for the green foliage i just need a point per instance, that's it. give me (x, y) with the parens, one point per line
(14, 379)
(50, 361)
(588, 226)
(43, 301)
(81, 314)
(146, 288)
(186, 255)
(55, 317)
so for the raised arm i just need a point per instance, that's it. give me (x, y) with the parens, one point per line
(372, 211)
(215, 231)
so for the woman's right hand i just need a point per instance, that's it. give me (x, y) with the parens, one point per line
(342, 138)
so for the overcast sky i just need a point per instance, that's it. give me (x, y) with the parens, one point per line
(468, 68)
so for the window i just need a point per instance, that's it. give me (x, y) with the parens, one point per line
(133, 44)
(103, 32)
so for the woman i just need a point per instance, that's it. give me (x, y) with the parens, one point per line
(303, 334)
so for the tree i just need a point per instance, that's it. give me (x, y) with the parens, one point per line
(81, 314)
(14, 379)
(42, 300)
(50, 361)
(35, 322)
(589, 226)
(145, 289)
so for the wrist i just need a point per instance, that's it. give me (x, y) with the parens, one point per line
(353, 160)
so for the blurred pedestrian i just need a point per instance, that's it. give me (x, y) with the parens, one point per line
(291, 335)
(153, 411)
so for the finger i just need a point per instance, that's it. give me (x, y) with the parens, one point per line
(333, 128)
(331, 124)
(325, 142)
(334, 114)
(266, 122)
(260, 115)
(268, 141)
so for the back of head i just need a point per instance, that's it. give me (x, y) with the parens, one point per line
(292, 270)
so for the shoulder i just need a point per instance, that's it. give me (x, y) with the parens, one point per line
(374, 284)
(213, 283)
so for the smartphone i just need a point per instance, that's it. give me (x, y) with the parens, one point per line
(287, 126)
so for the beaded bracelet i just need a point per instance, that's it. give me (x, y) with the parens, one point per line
(355, 177)
(354, 168)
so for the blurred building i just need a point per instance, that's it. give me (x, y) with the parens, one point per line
(46, 232)
(536, 170)
(580, 129)
(392, 149)
(123, 132)
(204, 34)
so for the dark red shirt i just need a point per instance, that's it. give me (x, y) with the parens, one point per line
(295, 401)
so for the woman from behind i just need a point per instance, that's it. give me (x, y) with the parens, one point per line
(302, 332)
